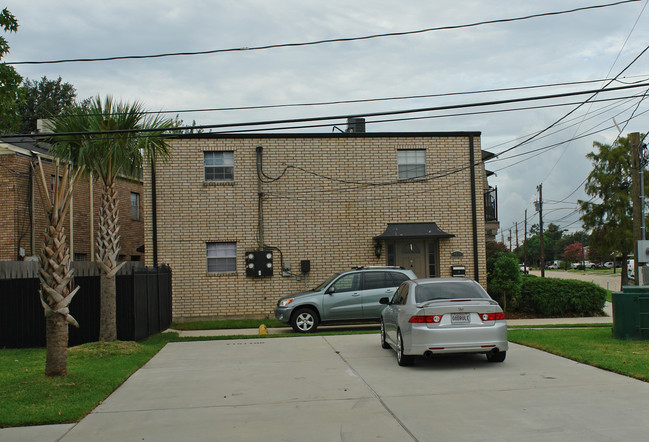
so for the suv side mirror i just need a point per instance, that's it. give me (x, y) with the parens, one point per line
(385, 301)
(331, 290)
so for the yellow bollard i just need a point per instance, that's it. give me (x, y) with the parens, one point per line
(262, 329)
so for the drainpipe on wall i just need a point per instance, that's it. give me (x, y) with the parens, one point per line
(260, 206)
(32, 218)
(92, 218)
(474, 212)
(154, 214)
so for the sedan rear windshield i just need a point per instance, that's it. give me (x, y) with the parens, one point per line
(449, 290)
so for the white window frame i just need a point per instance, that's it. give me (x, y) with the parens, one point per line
(219, 165)
(221, 257)
(411, 163)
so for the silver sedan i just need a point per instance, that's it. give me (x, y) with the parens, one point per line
(443, 315)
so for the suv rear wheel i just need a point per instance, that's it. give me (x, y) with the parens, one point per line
(305, 320)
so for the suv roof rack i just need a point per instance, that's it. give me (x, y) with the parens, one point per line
(377, 267)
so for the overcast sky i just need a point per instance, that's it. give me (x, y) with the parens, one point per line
(576, 47)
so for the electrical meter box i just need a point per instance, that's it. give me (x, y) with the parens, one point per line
(259, 263)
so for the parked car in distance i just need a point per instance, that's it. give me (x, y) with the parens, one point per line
(433, 316)
(608, 265)
(586, 264)
(554, 265)
(349, 296)
(524, 269)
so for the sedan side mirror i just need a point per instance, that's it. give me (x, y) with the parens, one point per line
(385, 301)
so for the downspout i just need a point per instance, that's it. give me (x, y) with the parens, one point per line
(32, 219)
(474, 212)
(154, 214)
(260, 205)
(92, 217)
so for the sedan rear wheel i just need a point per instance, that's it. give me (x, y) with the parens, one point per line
(496, 357)
(402, 360)
(304, 320)
(384, 343)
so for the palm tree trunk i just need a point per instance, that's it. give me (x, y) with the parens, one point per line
(56, 360)
(108, 249)
(55, 276)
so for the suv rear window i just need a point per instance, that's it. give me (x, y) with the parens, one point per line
(449, 290)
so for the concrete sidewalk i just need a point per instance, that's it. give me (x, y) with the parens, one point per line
(608, 309)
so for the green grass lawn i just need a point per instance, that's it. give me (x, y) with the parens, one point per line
(95, 370)
(592, 346)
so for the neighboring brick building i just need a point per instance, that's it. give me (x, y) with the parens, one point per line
(335, 200)
(23, 219)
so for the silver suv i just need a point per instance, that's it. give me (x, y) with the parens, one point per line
(350, 296)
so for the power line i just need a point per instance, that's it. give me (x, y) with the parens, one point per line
(593, 93)
(381, 99)
(326, 41)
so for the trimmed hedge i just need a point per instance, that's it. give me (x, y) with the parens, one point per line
(559, 297)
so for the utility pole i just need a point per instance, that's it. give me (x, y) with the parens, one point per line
(516, 228)
(525, 243)
(636, 178)
(509, 238)
(540, 209)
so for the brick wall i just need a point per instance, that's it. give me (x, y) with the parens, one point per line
(15, 218)
(329, 222)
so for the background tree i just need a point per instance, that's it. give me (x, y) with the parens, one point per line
(43, 99)
(119, 138)
(610, 207)
(9, 80)
(55, 273)
(573, 252)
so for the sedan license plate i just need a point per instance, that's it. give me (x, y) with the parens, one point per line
(460, 318)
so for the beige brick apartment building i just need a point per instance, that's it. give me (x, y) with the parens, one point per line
(22, 218)
(315, 203)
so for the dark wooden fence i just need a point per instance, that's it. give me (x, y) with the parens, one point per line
(143, 304)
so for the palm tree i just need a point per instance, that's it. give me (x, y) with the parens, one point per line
(55, 273)
(110, 139)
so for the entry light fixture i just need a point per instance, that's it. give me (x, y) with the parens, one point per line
(378, 247)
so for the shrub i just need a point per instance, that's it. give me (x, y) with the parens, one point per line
(505, 280)
(559, 297)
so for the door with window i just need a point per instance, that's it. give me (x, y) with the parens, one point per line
(342, 300)
(419, 255)
(411, 254)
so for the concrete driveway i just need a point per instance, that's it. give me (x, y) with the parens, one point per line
(347, 388)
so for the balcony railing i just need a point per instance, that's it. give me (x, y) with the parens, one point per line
(491, 204)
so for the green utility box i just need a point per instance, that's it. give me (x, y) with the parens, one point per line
(631, 313)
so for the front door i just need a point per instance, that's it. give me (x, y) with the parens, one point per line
(411, 254)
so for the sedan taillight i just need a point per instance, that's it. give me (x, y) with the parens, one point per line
(492, 316)
(425, 319)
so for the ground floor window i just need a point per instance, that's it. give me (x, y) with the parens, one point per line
(221, 257)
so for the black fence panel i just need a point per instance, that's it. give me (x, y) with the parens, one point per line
(143, 308)
(85, 307)
(22, 320)
(125, 314)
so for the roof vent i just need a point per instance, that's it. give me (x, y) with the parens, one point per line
(356, 125)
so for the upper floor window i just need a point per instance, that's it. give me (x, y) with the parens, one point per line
(135, 206)
(219, 166)
(412, 163)
(221, 257)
